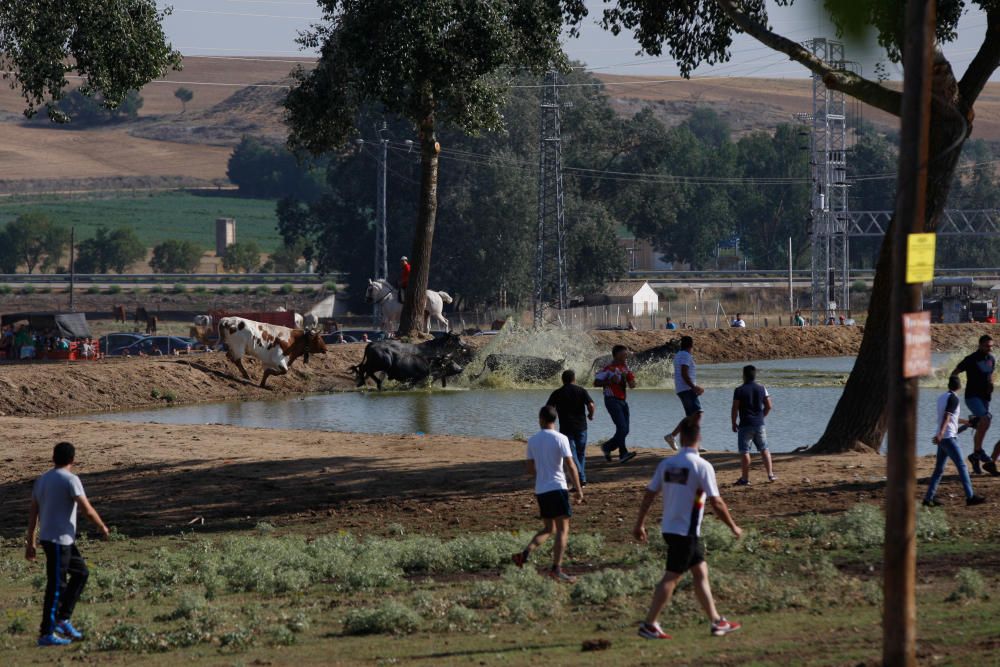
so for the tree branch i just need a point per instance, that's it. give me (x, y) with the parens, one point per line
(984, 64)
(849, 83)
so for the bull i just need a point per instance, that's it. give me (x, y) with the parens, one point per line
(405, 363)
(523, 368)
(276, 347)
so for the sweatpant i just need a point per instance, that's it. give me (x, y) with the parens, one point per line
(61, 595)
(618, 409)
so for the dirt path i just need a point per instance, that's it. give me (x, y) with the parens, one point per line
(156, 479)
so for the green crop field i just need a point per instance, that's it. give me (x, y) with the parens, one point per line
(159, 216)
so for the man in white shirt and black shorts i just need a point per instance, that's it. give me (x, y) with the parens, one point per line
(686, 480)
(549, 454)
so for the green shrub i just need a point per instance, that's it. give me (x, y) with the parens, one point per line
(861, 526)
(602, 587)
(287, 288)
(156, 289)
(18, 621)
(717, 536)
(390, 617)
(932, 523)
(114, 289)
(223, 290)
(180, 288)
(460, 617)
(810, 525)
(127, 637)
(93, 289)
(859, 286)
(970, 586)
(200, 289)
(28, 289)
(262, 290)
(330, 286)
(188, 606)
(585, 545)
(44, 290)
(6, 289)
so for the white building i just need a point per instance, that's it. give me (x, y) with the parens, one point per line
(637, 294)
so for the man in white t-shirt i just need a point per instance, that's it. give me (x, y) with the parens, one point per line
(946, 438)
(685, 480)
(738, 322)
(549, 455)
(55, 499)
(686, 386)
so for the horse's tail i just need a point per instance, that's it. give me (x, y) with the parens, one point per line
(445, 297)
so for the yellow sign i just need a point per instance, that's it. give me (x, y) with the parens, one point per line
(920, 258)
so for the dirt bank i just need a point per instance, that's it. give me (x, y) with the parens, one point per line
(45, 389)
(157, 478)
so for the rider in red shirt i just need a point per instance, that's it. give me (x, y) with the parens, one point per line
(404, 276)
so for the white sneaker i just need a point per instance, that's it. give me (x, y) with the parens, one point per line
(669, 439)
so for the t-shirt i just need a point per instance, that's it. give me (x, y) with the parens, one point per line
(751, 396)
(56, 492)
(978, 368)
(570, 402)
(684, 358)
(947, 404)
(671, 325)
(738, 324)
(547, 449)
(685, 479)
(619, 375)
(800, 321)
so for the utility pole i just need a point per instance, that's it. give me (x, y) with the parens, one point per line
(791, 292)
(899, 616)
(72, 267)
(550, 250)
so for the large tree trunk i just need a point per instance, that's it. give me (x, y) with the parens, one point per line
(415, 299)
(859, 420)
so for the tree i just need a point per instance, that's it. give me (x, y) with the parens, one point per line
(116, 46)
(243, 256)
(287, 258)
(433, 62)
(175, 257)
(268, 171)
(110, 251)
(185, 95)
(36, 241)
(701, 31)
(8, 253)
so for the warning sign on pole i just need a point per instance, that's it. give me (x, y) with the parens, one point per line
(920, 257)
(916, 344)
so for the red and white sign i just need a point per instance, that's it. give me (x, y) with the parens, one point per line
(916, 344)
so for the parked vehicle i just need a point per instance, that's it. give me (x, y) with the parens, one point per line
(159, 345)
(113, 343)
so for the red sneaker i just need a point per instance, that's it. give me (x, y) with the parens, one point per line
(723, 627)
(652, 631)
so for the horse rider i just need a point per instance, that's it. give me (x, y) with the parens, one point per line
(404, 276)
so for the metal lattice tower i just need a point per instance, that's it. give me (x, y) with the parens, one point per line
(381, 258)
(829, 209)
(550, 252)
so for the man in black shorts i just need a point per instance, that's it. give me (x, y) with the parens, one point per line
(574, 407)
(685, 480)
(978, 368)
(548, 456)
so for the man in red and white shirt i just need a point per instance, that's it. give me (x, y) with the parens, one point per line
(617, 378)
(404, 276)
(685, 480)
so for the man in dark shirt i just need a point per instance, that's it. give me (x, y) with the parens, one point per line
(978, 368)
(574, 407)
(751, 403)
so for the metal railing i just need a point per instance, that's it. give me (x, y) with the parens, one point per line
(172, 278)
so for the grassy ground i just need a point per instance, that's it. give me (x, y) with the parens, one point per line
(807, 590)
(158, 217)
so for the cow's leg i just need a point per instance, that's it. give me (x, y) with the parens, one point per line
(378, 381)
(239, 365)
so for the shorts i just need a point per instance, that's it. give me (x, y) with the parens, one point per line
(751, 434)
(979, 407)
(554, 504)
(683, 552)
(690, 401)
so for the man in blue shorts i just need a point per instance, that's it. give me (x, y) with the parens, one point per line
(549, 454)
(978, 368)
(751, 403)
(686, 480)
(685, 379)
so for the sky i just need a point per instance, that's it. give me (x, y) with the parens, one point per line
(269, 28)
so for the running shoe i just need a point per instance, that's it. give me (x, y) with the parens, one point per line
(519, 559)
(771, 478)
(724, 627)
(562, 577)
(607, 451)
(975, 500)
(741, 482)
(625, 458)
(974, 462)
(52, 639)
(931, 502)
(66, 629)
(991, 468)
(652, 631)
(672, 441)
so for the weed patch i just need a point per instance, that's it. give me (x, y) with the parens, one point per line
(390, 617)
(969, 586)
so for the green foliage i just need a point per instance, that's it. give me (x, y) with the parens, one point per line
(861, 526)
(390, 617)
(156, 289)
(200, 289)
(287, 288)
(268, 170)
(223, 290)
(262, 290)
(173, 256)
(185, 95)
(969, 586)
(28, 289)
(35, 241)
(87, 110)
(114, 289)
(605, 586)
(6, 289)
(932, 524)
(93, 289)
(287, 258)
(179, 288)
(110, 250)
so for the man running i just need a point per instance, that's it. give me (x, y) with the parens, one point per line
(946, 439)
(751, 403)
(404, 276)
(978, 368)
(548, 455)
(574, 407)
(684, 385)
(685, 480)
(616, 378)
(54, 500)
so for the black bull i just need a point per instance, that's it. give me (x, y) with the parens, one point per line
(645, 357)
(409, 364)
(523, 368)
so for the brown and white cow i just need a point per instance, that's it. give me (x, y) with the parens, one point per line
(275, 347)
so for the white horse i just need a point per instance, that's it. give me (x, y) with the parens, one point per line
(382, 293)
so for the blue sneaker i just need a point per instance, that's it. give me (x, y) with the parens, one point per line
(66, 629)
(53, 640)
